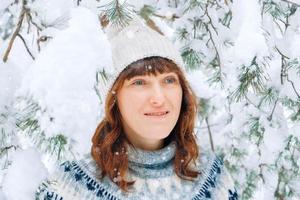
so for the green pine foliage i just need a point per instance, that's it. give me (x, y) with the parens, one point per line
(117, 12)
(287, 165)
(191, 57)
(251, 185)
(7, 136)
(251, 107)
(250, 77)
(146, 12)
(28, 124)
(253, 79)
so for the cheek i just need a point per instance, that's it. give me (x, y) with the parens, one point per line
(177, 98)
(129, 104)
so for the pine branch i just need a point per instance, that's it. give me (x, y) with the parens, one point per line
(284, 73)
(252, 76)
(145, 13)
(210, 135)
(118, 14)
(182, 33)
(268, 96)
(17, 30)
(278, 25)
(288, 157)
(56, 145)
(256, 131)
(27, 49)
(250, 186)
(212, 38)
(261, 165)
(283, 70)
(28, 124)
(271, 115)
(278, 13)
(191, 57)
(216, 75)
(214, 45)
(192, 4)
(30, 21)
(7, 148)
(293, 3)
(148, 11)
(227, 19)
(250, 101)
(209, 19)
(293, 85)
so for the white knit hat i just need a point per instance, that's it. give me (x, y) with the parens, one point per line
(134, 42)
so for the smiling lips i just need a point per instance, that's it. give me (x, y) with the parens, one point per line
(157, 113)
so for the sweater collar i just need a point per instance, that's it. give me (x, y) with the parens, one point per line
(142, 163)
(141, 157)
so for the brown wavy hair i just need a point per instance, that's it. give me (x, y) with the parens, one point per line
(109, 143)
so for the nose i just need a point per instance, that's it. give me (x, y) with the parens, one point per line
(157, 97)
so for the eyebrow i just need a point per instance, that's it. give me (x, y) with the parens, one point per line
(161, 75)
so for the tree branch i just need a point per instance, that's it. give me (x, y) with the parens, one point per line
(210, 135)
(283, 70)
(212, 39)
(24, 42)
(287, 1)
(5, 149)
(292, 83)
(256, 106)
(271, 115)
(19, 24)
(214, 45)
(210, 20)
(261, 165)
(29, 18)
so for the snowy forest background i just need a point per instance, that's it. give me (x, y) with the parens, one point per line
(242, 58)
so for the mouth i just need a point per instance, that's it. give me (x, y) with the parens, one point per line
(157, 114)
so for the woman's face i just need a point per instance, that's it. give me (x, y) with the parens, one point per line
(150, 107)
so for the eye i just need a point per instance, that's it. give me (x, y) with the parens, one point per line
(170, 80)
(138, 82)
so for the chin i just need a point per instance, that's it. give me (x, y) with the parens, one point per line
(158, 137)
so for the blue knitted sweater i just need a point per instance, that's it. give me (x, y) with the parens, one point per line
(154, 177)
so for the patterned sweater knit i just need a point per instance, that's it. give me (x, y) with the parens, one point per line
(154, 176)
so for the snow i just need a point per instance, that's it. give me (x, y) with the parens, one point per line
(6, 84)
(295, 130)
(62, 79)
(250, 40)
(10, 76)
(2, 195)
(162, 25)
(80, 49)
(24, 175)
(52, 12)
(4, 4)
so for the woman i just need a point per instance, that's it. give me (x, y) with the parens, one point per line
(145, 146)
